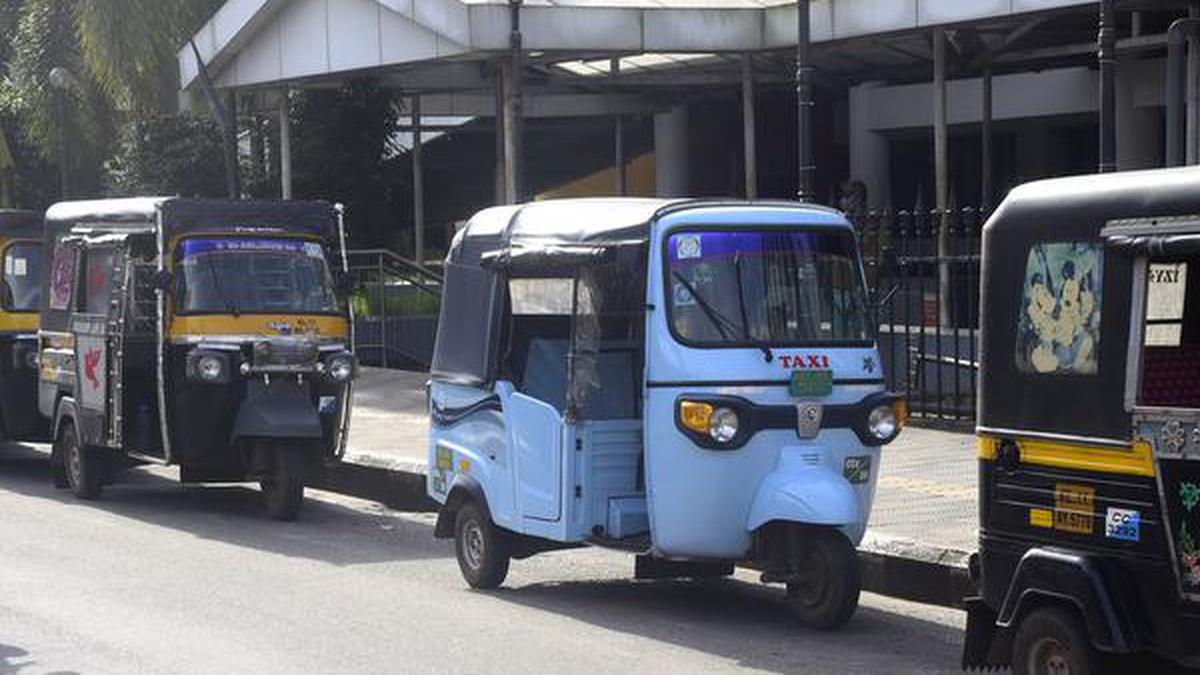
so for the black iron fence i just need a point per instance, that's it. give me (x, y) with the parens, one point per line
(923, 270)
(395, 309)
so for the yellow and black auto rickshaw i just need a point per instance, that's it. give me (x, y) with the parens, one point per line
(1089, 428)
(206, 334)
(20, 294)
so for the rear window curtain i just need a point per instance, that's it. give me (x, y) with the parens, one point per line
(466, 327)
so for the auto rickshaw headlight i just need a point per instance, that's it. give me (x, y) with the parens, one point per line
(340, 367)
(206, 366)
(883, 422)
(723, 425)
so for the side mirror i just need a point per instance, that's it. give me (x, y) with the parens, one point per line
(161, 280)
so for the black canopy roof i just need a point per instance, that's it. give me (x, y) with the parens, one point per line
(20, 224)
(182, 216)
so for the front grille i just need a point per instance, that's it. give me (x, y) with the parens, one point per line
(285, 353)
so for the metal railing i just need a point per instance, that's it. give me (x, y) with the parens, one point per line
(396, 308)
(924, 267)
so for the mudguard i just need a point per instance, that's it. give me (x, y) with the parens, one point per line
(465, 488)
(809, 495)
(1048, 575)
(282, 409)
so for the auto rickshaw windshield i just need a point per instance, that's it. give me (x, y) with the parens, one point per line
(22, 276)
(235, 275)
(768, 287)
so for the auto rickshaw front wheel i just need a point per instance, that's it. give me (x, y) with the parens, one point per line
(824, 588)
(283, 487)
(483, 550)
(82, 466)
(1053, 641)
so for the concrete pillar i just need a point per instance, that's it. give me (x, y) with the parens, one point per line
(1193, 90)
(671, 152)
(1138, 127)
(285, 147)
(749, 141)
(869, 152)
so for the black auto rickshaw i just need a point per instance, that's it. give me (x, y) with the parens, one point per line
(21, 250)
(206, 334)
(1089, 428)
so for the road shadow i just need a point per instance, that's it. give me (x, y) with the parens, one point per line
(326, 531)
(748, 624)
(14, 660)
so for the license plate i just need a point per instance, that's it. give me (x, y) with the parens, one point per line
(811, 383)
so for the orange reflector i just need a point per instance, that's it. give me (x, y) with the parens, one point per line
(695, 416)
(900, 408)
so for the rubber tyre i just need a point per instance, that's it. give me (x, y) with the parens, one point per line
(482, 549)
(829, 598)
(82, 466)
(283, 489)
(1053, 641)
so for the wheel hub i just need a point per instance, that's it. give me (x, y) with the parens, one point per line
(473, 546)
(1050, 657)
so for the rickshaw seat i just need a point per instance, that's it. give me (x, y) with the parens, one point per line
(1171, 376)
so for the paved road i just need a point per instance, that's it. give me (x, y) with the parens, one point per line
(927, 489)
(157, 578)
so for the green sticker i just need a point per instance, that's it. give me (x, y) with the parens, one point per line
(445, 459)
(811, 383)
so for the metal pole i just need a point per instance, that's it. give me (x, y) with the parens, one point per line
(384, 314)
(418, 185)
(514, 113)
(63, 171)
(285, 146)
(804, 96)
(1176, 131)
(619, 162)
(501, 163)
(1193, 89)
(1108, 88)
(748, 129)
(941, 173)
(985, 188)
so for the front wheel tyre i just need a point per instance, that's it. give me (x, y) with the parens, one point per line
(824, 592)
(1053, 641)
(283, 488)
(482, 548)
(82, 465)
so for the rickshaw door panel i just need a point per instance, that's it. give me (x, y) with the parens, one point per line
(98, 352)
(536, 431)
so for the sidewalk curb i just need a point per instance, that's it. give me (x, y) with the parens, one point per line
(891, 566)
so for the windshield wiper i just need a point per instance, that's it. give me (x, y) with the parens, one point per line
(768, 355)
(212, 272)
(722, 323)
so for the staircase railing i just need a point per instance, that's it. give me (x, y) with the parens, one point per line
(396, 308)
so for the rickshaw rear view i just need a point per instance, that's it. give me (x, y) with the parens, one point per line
(1089, 427)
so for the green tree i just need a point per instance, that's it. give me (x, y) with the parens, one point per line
(120, 55)
(168, 155)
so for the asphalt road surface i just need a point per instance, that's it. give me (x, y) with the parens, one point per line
(158, 578)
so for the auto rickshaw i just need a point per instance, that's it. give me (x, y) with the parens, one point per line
(695, 383)
(206, 334)
(21, 249)
(1089, 428)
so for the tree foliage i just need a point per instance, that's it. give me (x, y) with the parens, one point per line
(341, 147)
(120, 56)
(168, 155)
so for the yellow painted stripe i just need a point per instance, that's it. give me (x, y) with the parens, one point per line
(1136, 459)
(258, 324)
(19, 322)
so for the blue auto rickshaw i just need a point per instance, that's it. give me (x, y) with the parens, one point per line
(696, 383)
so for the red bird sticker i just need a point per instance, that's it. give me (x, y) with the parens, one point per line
(91, 359)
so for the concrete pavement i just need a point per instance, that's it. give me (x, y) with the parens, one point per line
(160, 578)
(920, 534)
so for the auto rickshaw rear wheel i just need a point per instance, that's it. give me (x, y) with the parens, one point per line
(1053, 641)
(824, 589)
(483, 550)
(283, 487)
(83, 467)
